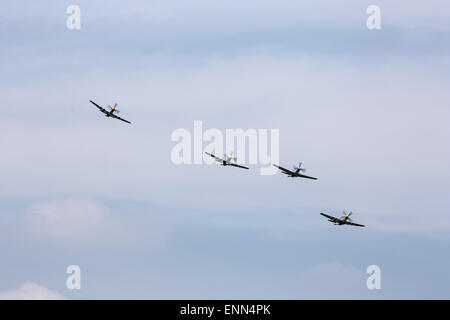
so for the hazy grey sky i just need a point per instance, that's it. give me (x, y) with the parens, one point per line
(366, 111)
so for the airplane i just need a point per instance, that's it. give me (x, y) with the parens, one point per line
(111, 111)
(226, 161)
(345, 219)
(295, 174)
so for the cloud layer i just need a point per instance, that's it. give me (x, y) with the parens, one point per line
(367, 113)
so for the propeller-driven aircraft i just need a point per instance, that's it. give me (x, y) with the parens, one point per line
(296, 173)
(226, 161)
(345, 219)
(111, 111)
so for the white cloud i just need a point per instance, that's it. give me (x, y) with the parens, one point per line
(88, 223)
(31, 291)
(70, 218)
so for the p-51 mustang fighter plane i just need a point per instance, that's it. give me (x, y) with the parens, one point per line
(345, 219)
(296, 173)
(226, 161)
(111, 111)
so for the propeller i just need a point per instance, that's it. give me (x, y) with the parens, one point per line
(229, 157)
(347, 215)
(113, 108)
(299, 168)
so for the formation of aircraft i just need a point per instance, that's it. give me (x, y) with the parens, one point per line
(345, 219)
(296, 173)
(111, 111)
(226, 161)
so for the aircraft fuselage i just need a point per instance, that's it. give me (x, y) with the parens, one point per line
(109, 114)
(341, 222)
(225, 162)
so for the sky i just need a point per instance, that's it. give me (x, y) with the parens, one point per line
(366, 111)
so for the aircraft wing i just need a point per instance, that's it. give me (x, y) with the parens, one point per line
(99, 108)
(303, 176)
(354, 224)
(236, 165)
(114, 116)
(331, 218)
(295, 174)
(213, 156)
(284, 170)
